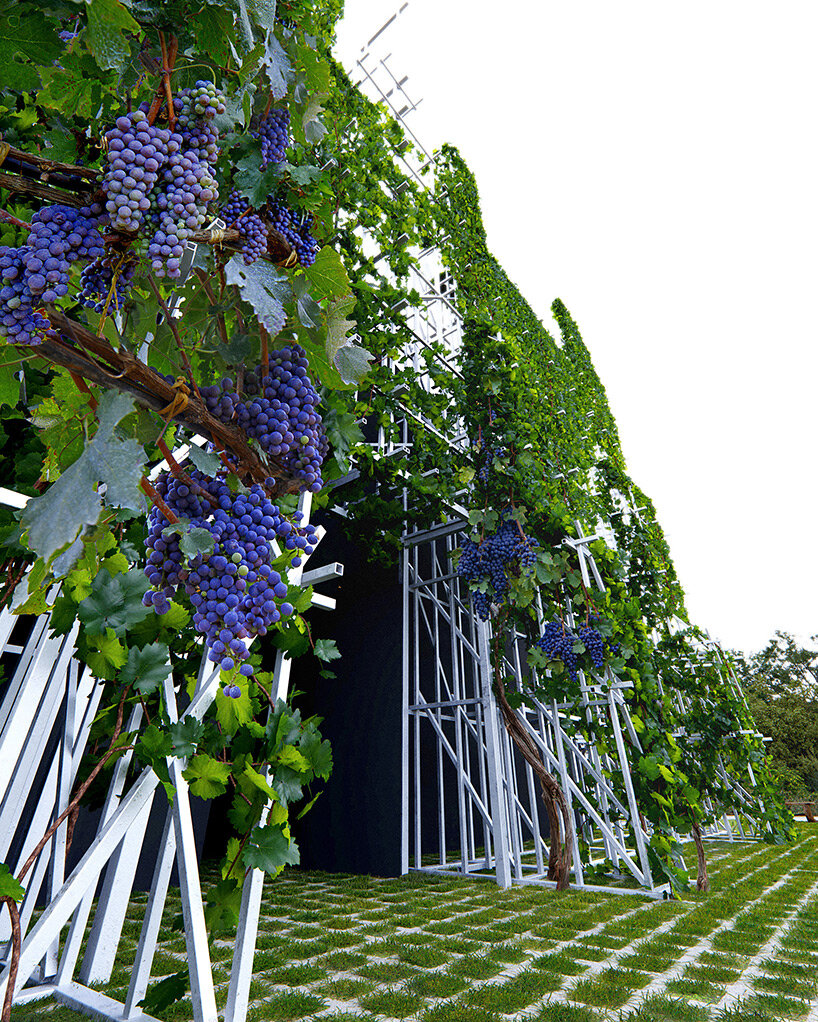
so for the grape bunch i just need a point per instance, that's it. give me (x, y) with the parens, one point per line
(38, 272)
(280, 410)
(137, 151)
(20, 321)
(106, 281)
(59, 235)
(235, 592)
(274, 134)
(557, 642)
(504, 552)
(236, 214)
(296, 230)
(594, 644)
(186, 185)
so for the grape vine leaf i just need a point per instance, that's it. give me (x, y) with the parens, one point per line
(206, 776)
(270, 849)
(115, 602)
(233, 713)
(277, 65)
(107, 19)
(197, 541)
(73, 502)
(186, 735)
(9, 386)
(146, 668)
(262, 287)
(32, 36)
(314, 128)
(302, 176)
(9, 886)
(207, 462)
(352, 363)
(309, 311)
(328, 276)
(254, 183)
(318, 753)
(327, 650)
(166, 992)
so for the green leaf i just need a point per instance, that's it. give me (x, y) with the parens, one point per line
(260, 782)
(115, 602)
(9, 386)
(302, 176)
(106, 21)
(186, 735)
(328, 277)
(276, 65)
(262, 287)
(152, 750)
(224, 905)
(327, 650)
(197, 541)
(146, 668)
(270, 849)
(9, 887)
(352, 362)
(317, 752)
(167, 991)
(256, 184)
(206, 776)
(233, 713)
(71, 504)
(111, 653)
(207, 462)
(292, 758)
(308, 806)
(28, 41)
(239, 349)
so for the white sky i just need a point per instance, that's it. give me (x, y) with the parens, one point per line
(654, 165)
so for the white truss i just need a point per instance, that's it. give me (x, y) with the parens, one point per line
(50, 694)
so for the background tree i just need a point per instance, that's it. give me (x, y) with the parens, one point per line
(781, 683)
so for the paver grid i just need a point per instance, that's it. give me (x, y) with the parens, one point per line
(438, 949)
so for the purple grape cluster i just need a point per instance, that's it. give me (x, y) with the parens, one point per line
(38, 272)
(594, 644)
(490, 561)
(235, 214)
(20, 321)
(280, 410)
(60, 235)
(137, 151)
(187, 184)
(296, 230)
(98, 278)
(234, 591)
(557, 642)
(274, 134)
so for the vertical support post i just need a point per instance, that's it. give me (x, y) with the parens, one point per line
(499, 812)
(404, 727)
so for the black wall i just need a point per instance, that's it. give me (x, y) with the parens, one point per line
(355, 825)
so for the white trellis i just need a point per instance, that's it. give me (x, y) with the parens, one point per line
(51, 698)
(485, 814)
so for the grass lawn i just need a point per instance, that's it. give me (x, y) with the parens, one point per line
(437, 949)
